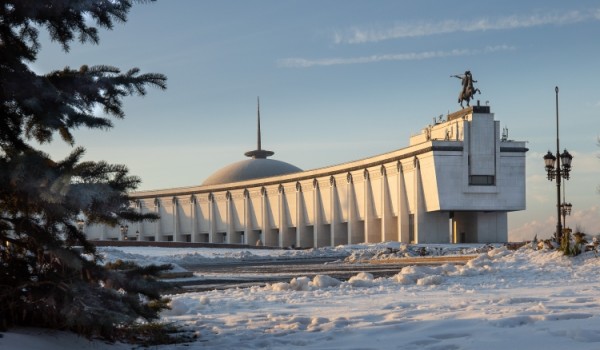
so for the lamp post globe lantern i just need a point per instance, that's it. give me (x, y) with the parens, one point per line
(568, 207)
(565, 160)
(550, 160)
(565, 209)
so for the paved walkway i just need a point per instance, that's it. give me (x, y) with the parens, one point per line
(425, 260)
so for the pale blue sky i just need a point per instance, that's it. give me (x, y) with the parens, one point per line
(343, 80)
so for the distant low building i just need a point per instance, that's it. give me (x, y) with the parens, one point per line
(454, 183)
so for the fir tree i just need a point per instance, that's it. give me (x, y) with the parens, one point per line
(44, 279)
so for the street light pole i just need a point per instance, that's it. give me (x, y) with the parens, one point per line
(558, 176)
(558, 167)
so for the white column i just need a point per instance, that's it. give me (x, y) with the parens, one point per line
(333, 211)
(418, 200)
(316, 214)
(247, 221)
(350, 207)
(157, 232)
(264, 225)
(368, 209)
(193, 218)
(403, 209)
(299, 216)
(229, 218)
(385, 216)
(176, 237)
(138, 233)
(283, 234)
(211, 218)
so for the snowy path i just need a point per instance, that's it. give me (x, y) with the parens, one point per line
(503, 299)
(526, 299)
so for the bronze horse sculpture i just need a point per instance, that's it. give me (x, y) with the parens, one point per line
(468, 90)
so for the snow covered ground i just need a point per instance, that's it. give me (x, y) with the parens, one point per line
(524, 299)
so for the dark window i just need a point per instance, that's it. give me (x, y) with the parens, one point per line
(482, 180)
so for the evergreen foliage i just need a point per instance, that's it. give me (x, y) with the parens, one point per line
(50, 275)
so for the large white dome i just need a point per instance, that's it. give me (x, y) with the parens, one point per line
(256, 168)
(250, 169)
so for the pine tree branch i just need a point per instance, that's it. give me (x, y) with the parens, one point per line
(46, 280)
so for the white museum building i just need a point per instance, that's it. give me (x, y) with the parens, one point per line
(454, 183)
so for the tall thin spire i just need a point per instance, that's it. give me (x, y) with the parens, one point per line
(258, 153)
(258, 117)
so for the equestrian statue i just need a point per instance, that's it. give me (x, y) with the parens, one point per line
(468, 90)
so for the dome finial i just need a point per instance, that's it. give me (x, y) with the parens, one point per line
(258, 153)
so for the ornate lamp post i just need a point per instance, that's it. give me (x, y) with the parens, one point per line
(558, 172)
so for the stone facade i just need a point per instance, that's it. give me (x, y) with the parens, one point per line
(455, 182)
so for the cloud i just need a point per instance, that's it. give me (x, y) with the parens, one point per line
(409, 56)
(586, 163)
(543, 229)
(408, 30)
(587, 220)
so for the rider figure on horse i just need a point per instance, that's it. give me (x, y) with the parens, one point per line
(468, 89)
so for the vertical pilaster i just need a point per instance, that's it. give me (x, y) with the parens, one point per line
(403, 209)
(299, 216)
(229, 218)
(211, 218)
(247, 221)
(350, 208)
(283, 239)
(418, 201)
(368, 208)
(333, 211)
(264, 225)
(157, 233)
(316, 214)
(193, 219)
(385, 207)
(138, 230)
(174, 204)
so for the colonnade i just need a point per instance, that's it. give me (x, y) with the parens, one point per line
(363, 205)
